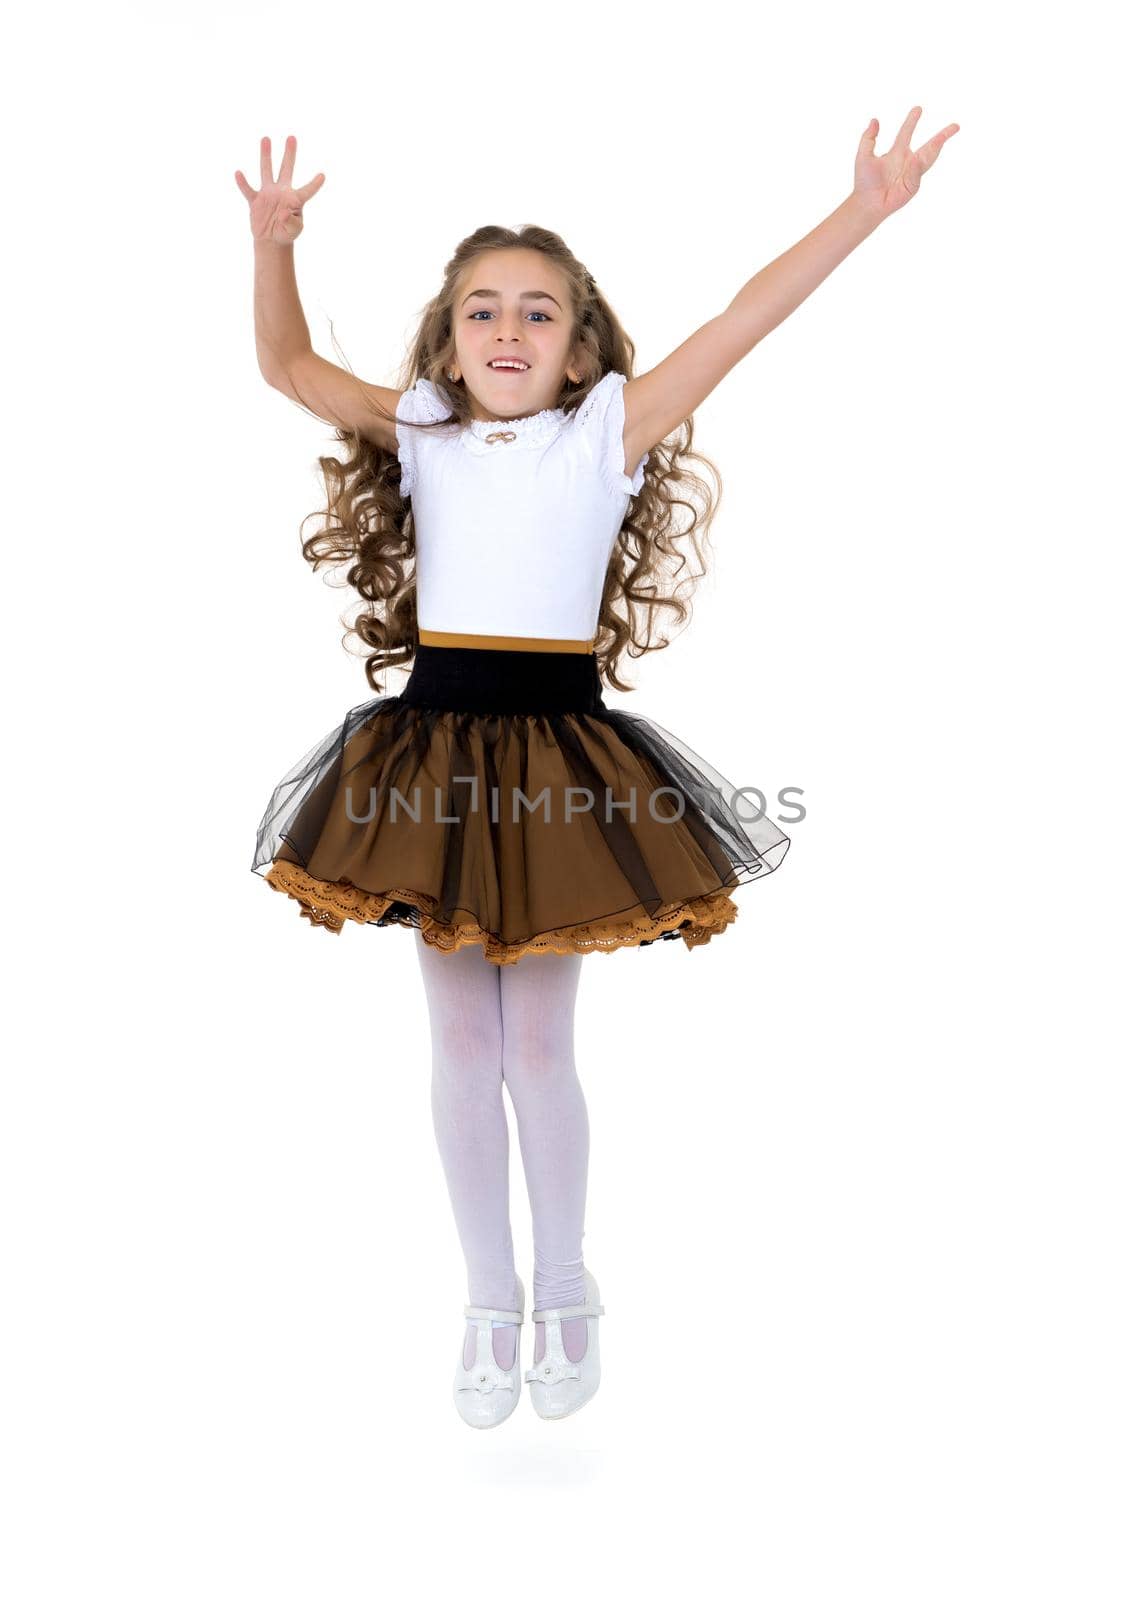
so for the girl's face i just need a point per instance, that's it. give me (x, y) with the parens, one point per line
(513, 305)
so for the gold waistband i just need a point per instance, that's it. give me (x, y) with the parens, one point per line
(502, 641)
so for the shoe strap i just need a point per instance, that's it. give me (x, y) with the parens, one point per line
(558, 1313)
(492, 1315)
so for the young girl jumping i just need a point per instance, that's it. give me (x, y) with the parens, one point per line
(508, 515)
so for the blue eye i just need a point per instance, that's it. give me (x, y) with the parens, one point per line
(543, 314)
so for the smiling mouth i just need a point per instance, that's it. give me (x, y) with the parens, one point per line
(524, 368)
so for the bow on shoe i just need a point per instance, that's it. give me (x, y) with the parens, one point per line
(553, 1371)
(485, 1379)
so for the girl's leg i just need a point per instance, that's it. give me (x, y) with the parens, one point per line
(463, 993)
(537, 998)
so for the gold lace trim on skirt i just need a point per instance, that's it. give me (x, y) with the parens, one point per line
(329, 905)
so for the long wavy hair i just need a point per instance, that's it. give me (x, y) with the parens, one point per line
(370, 525)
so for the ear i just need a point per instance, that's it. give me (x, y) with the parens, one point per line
(577, 357)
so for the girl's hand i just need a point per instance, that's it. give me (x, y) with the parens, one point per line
(885, 183)
(276, 208)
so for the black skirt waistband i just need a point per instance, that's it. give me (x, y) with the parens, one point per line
(503, 682)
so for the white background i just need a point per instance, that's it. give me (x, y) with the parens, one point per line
(864, 1192)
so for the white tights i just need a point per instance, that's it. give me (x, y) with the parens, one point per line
(494, 1025)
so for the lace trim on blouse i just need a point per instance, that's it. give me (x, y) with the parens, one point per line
(608, 395)
(421, 403)
(601, 410)
(540, 422)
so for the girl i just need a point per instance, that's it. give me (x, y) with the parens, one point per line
(508, 517)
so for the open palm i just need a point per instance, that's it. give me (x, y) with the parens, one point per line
(276, 208)
(886, 183)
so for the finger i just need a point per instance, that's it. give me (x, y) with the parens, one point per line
(868, 139)
(901, 142)
(311, 188)
(245, 187)
(286, 175)
(264, 164)
(929, 151)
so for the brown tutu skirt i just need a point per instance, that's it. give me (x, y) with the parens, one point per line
(498, 801)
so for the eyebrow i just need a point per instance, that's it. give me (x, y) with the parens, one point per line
(528, 294)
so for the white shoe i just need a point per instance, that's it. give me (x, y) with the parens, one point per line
(560, 1386)
(485, 1393)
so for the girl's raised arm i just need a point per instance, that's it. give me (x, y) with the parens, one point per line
(286, 357)
(659, 401)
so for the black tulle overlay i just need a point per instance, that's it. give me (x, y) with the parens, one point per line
(499, 801)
